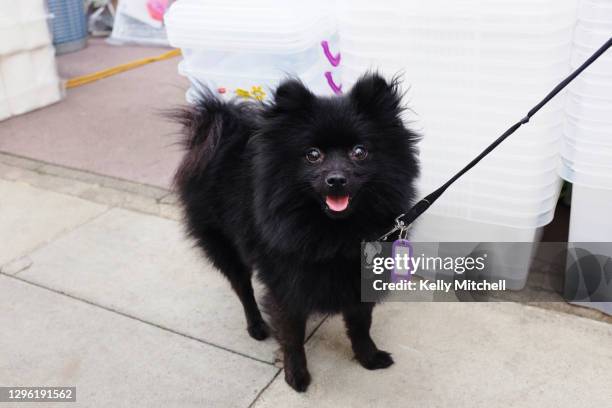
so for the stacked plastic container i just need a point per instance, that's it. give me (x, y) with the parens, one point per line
(587, 147)
(28, 75)
(587, 142)
(240, 49)
(472, 68)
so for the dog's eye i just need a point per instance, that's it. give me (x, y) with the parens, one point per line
(359, 153)
(314, 155)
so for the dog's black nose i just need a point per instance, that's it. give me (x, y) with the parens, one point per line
(336, 180)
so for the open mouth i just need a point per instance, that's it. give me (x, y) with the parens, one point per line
(337, 203)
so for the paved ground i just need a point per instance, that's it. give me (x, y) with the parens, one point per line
(112, 127)
(101, 291)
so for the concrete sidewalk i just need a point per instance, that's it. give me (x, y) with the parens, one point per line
(100, 290)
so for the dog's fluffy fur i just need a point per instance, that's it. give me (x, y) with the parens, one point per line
(254, 198)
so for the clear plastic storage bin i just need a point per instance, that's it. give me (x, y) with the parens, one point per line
(587, 146)
(248, 54)
(471, 69)
(24, 34)
(30, 80)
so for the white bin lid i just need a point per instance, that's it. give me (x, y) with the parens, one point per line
(268, 26)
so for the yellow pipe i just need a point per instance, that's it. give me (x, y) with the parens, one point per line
(86, 79)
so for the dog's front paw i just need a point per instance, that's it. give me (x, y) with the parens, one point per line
(297, 378)
(259, 330)
(375, 360)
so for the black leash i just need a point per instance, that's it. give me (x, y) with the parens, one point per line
(404, 221)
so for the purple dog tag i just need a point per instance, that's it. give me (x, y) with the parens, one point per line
(402, 254)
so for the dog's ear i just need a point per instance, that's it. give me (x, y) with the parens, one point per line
(374, 96)
(291, 95)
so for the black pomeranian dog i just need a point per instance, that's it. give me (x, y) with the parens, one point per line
(290, 189)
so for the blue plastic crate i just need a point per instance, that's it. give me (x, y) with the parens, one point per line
(69, 23)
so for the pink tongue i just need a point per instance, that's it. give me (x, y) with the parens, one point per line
(337, 203)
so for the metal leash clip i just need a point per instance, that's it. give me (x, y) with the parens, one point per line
(399, 226)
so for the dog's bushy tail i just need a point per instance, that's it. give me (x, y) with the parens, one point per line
(203, 126)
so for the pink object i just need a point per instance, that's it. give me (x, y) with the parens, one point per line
(330, 80)
(333, 59)
(157, 9)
